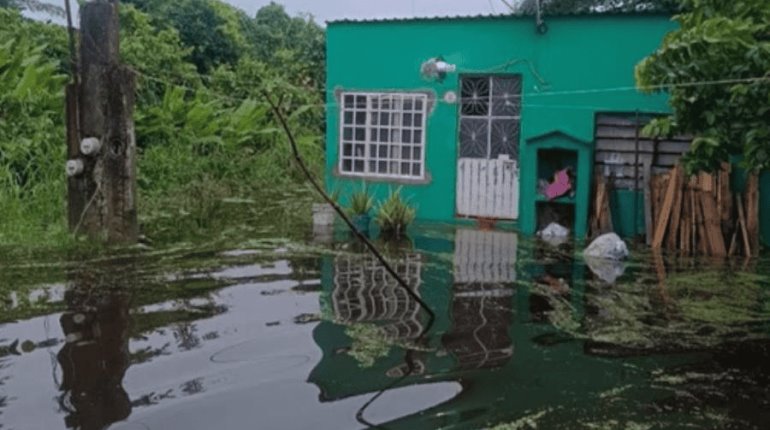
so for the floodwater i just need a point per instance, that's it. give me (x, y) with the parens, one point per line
(288, 331)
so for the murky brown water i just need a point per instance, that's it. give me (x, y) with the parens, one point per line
(295, 334)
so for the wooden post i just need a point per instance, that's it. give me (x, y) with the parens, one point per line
(667, 206)
(726, 203)
(102, 184)
(676, 214)
(751, 209)
(648, 222)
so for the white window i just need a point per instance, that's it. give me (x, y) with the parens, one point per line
(383, 134)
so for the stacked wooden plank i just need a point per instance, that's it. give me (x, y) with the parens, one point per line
(601, 216)
(695, 215)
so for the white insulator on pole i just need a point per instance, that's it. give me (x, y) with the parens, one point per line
(75, 167)
(90, 146)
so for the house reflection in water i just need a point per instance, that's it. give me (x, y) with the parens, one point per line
(471, 294)
(365, 293)
(481, 310)
(486, 335)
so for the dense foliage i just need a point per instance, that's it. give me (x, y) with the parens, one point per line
(203, 128)
(716, 68)
(31, 125)
(554, 7)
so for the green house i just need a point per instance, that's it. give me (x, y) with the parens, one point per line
(467, 116)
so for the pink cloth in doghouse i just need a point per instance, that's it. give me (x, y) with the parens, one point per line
(560, 186)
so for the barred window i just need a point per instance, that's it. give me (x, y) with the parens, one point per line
(490, 116)
(383, 134)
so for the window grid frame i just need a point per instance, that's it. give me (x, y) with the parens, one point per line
(395, 110)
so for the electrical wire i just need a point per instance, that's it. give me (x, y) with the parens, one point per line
(523, 97)
(410, 363)
(71, 40)
(508, 64)
(492, 7)
(509, 5)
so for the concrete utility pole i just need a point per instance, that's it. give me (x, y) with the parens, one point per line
(100, 132)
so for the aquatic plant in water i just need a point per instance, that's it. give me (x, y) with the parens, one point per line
(361, 202)
(369, 344)
(395, 215)
(685, 312)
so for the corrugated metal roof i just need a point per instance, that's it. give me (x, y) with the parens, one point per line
(421, 18)
(487, 16)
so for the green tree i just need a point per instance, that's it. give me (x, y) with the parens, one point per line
(599, 6)
(158, 55)
(201, 28)
(276, 31)
(716, 68)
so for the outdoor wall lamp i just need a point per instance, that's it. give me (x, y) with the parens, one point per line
(436, 69)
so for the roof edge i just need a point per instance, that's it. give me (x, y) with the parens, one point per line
(498, 17)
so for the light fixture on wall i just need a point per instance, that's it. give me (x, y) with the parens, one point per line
(436, 69)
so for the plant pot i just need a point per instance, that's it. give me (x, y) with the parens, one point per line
(323, 215)
(361, 223)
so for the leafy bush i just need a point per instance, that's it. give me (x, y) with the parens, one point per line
(32, 150)
(395, 215)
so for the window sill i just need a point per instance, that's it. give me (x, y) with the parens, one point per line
(382, 179)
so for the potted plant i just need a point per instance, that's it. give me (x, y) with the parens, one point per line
(394, 216)
(361, 204)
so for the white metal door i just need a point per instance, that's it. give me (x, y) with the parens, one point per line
(488, 188)
(485, 257)
(488, 167)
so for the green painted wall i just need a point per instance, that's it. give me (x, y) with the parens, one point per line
(590, 53)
